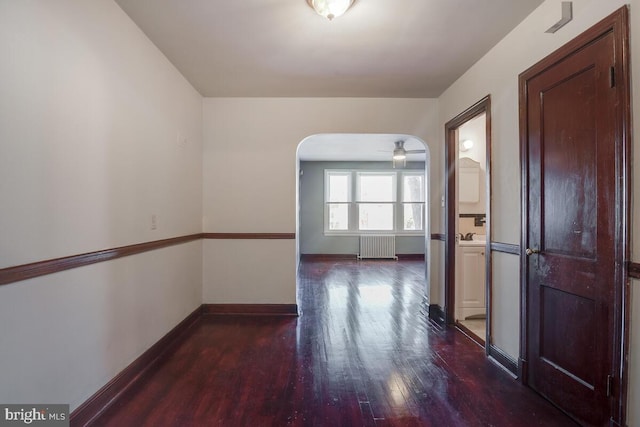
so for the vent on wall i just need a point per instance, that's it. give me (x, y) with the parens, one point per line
(377, 246)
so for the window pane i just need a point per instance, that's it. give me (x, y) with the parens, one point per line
(413, 188)
(338, 216)
(413, 217)
(376, 188)
(338, 188)
(375, 216)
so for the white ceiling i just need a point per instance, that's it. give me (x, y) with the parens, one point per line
(354, 147)
(274, 48)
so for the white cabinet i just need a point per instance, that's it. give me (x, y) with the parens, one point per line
(470, 279)
(469, 181)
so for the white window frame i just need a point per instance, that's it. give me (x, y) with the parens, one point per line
(393, 202)
(400, 203)
(354, 196)
(327, 202)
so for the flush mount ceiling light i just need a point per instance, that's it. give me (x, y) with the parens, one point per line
(330, 8)
(466, 145)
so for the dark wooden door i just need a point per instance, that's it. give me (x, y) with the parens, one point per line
(573, 208)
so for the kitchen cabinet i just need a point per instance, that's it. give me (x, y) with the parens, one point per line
(470, 280)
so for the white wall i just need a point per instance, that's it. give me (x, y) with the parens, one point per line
(90, 111)
(250, 176)
(249, 272)
(65, 335)
(497, 74)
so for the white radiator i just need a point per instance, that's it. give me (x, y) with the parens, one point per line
(377, 246)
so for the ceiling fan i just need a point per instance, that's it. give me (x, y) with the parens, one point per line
(400, 154)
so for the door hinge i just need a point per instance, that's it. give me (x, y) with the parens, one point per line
(612, 77)
(609, 385)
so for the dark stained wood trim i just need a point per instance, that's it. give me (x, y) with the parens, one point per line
(250, 309)
(328, 257)
(439, 236)
(436, 313)
(618, 24)
(524, 223)
(621, 18)
(487, 223)
(507, 248)
(41, 268)
(634, 270)
(469, 333)
(482, 106)
(250, 236)
(338, 257)
(149, 361)
(410, 257)
(503, 359)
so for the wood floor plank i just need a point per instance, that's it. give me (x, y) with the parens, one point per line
(362, 353)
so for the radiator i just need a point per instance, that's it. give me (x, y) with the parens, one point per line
(377, 246)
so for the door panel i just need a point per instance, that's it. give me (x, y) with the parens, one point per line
(569, 159)
(571, 221)
(578, 317)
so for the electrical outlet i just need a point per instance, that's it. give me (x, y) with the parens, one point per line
(154, 221)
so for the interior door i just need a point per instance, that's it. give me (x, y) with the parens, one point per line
(572, 122)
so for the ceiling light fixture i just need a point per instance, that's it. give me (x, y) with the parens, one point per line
(466, 145)
(330, 8)
(400, 154)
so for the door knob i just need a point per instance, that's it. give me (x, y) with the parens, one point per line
(530, 251)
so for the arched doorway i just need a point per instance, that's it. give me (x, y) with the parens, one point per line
(356, 157)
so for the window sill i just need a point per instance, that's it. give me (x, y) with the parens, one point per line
(365, 233)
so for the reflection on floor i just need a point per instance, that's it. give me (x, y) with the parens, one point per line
(362, 353)
(477, 326)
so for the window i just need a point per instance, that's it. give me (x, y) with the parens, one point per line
(376, 197)
(358, 201)
(412, 202)
(338, 190)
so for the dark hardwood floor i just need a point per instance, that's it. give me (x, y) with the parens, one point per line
(363, 353)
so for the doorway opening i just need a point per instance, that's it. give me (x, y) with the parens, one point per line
(470, 308)
(331, 224)
(467, 213)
